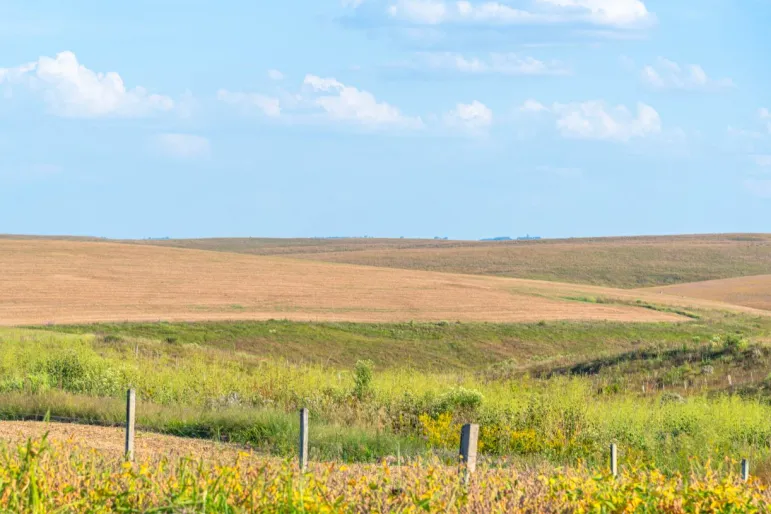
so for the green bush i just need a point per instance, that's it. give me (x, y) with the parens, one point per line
(362, 379)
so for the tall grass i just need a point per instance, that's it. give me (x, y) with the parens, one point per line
(205, 392)
(41, 478)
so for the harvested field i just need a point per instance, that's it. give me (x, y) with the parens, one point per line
(110, 440)
(627, 262)
(49, 281)
(752, 292)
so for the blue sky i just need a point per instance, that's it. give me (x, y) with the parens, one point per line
(416, 118)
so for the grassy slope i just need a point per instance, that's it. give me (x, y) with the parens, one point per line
(618, 262)
(752, 291)
(430, 346)
(192, 383)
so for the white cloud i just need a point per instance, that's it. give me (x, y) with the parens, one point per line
(186, 146)
(275, 75)
(345, 103)
(475, 116)
(494, 12)
(598, 121)
(666, 74)
(595, 120)
(495, 63)
(533, 106)
(352, 3)
(614, 13)
(607, 12)
(758, 187)
(324, 99)
(428, 12)
(269, 106)
(72, 90)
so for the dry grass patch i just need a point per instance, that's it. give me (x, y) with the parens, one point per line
(752, 292)
(110, 441)
(628, 262)
(48, 281)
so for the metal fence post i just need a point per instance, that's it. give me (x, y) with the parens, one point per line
(469, 437)
(614, 460)
(303, 440)
(131, 404)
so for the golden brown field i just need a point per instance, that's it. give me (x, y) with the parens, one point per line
(748, 291)
(50, 281)
(627, 262)
(110, 441)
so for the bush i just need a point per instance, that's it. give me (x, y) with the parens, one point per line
(459, 400)
(735, 343)
(362, 379)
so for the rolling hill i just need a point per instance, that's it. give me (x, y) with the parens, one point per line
(624, 262)
(752, 291)
(53, 281)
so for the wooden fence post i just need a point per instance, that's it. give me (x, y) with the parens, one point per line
(131, 406)
(745, 470)
(469, 436)
(614, 460)
(303, 440)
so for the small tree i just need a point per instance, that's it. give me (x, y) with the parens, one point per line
(362, 379)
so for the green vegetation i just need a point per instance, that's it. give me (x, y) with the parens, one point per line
(439, 346)
(538, 398)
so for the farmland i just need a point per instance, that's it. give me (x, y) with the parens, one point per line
(224, 347)
(632, 262)
(749, 291)
(47, 281)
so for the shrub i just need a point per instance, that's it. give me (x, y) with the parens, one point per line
(459, 400)
(362, 379)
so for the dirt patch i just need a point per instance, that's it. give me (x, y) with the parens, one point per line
(110, 441)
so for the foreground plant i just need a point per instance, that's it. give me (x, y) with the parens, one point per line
(42, 478)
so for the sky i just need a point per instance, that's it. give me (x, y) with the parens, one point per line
(384, 118)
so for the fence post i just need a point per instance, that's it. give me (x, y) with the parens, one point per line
(303, 440)
(614, 460)
(745, 470)
(131, 406)
(469, 436)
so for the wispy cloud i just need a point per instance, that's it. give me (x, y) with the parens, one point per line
(598, 121)
(491, 64)
(183, 146)
(324, 99)
(666, 74)
(475, 117)
(606, 12)
(610, 13)
(268, 105)
(72, 90)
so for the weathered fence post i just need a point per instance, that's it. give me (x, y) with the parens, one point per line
(469, 436)
(745, 470)
(303, 440)
(131, 406)
(614, 460)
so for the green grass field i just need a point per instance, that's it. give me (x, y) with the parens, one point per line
(577, 385)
